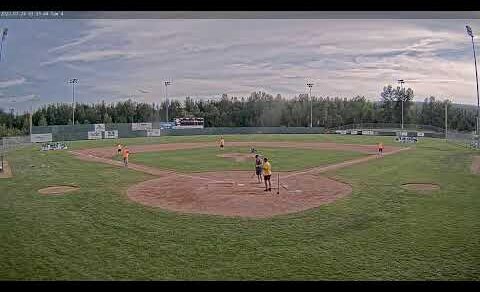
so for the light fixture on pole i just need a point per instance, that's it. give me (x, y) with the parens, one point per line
(73, 81)
(470, 33)
(167, 83)
(310, 85)
(401, 81)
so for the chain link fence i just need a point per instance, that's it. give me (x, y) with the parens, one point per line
(10, 144)
(466, 139)
(392, 126)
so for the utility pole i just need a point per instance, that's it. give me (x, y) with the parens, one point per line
(167, 83)
(401, 81)
(446, 119)
(73, 81)
(310, 85)
(470, 33)
(30, 119)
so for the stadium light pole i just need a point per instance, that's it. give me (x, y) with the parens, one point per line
(446, 118)
(73, 81)
(310, 85)
(470, 33)
(35, 98)
(4, 33)
(167, 83)
(401, 81)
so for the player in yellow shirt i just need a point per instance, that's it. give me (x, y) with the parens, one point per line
(222, 142)
(267, 174)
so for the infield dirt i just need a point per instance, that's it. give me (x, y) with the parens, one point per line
(237, 193)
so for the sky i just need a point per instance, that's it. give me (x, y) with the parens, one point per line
(117, 59)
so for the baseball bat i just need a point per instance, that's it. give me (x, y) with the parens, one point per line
(278, 184)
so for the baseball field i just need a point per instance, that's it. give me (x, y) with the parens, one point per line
(185, 210)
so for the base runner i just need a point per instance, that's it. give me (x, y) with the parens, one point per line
(267, 174)
(119, 149)
(258, 168)
(126, 153)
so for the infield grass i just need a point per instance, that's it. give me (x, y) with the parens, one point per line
(207, 159)
(380, 232)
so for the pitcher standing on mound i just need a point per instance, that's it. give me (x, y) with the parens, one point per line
(380, 149)
(222, 142)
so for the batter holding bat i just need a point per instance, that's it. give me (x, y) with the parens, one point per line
(267, 174)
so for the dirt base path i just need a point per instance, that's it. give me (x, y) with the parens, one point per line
(236, 193)
(475, 168)
(108, 152)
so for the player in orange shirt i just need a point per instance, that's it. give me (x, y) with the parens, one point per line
(380, 149)
(126, 153)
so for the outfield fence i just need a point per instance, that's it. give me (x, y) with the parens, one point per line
(393, 127)
(131, 130)
(382, 129)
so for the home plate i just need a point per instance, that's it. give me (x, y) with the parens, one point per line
(241, 185)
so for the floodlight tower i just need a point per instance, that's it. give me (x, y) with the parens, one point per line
(167, 83)
(401, 81)
(470, 33)
(3, 33)
(73, 81)
(310, 85)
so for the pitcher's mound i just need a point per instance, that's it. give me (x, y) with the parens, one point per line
(421, 187)
(239, 157)
(57, 190)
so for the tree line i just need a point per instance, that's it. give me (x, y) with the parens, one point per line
(258, 109)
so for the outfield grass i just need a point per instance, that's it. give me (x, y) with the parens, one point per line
(379, 232)
(206, 159)
(346, 139)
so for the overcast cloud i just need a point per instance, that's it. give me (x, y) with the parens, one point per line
(115, 59)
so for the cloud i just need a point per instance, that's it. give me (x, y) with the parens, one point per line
(13, 82)
(74, 43)
(20, 99)
(208, 57)
(91, 56)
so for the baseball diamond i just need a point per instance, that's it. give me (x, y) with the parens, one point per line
(180, 194)
(239, 145)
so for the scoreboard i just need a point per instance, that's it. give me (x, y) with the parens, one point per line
(188, 123)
